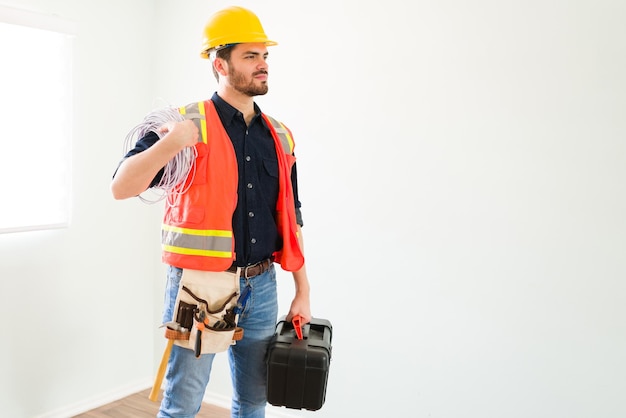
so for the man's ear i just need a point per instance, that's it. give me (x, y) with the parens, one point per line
(221, 66)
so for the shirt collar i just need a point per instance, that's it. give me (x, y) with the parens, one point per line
(226, 111)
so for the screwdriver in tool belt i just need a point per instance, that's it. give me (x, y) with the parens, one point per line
(243, 299)
(200, 326)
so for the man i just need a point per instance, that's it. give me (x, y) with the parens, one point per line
(248, 181)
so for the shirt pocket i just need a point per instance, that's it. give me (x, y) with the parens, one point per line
(271, 167)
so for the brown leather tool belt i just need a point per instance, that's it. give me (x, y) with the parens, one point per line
(253, 269)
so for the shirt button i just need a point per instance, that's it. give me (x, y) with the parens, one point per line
(251, 214)
(248, 158)
(249, 185)
(253, 240)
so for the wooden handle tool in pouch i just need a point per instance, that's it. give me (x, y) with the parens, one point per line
(154, 394)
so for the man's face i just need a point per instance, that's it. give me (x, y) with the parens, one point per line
(247, 70)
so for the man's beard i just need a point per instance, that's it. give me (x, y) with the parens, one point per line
(238, 81)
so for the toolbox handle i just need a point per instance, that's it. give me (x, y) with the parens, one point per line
(317, 323)
(296, 322)
(283, 333)
(302, 330)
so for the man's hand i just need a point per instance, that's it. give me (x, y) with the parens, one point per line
(183, 134)
(300, 306)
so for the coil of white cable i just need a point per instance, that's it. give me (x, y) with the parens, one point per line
(176, 173)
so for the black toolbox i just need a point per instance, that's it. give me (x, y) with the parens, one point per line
(297, 369)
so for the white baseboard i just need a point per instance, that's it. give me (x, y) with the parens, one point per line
(276, 412)
(97, 401)
(217, 399)
(224, 402)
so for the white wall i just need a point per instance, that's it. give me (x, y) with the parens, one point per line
(77, 304)
(461, 168)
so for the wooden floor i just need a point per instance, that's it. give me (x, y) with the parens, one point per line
(139, 406)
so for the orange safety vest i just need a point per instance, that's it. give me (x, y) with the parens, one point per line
(197, 227)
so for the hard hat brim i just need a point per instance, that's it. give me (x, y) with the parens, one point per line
(205, 53)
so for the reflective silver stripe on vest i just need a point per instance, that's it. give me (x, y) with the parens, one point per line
(211, 243)
(283, 134)
(195, 112)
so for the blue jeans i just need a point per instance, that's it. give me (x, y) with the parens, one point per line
(187, 376)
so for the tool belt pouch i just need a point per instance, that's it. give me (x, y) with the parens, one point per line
(209, 298)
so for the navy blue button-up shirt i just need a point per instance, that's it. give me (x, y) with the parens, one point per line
(254, 220)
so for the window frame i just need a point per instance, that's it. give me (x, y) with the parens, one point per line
(61, 217)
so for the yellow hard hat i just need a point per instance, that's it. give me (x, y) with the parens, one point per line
(233, 25)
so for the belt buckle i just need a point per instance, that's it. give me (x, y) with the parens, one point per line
(247, 268)
(251, 266)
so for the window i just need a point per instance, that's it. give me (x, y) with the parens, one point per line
(36, 109)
